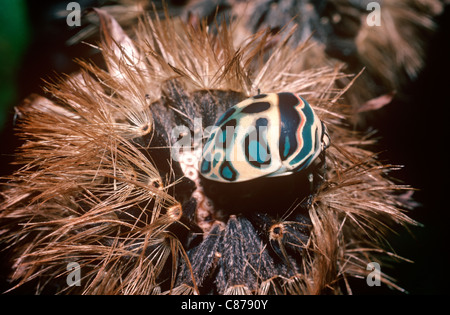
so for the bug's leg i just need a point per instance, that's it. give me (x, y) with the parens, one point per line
(321, 169)
(317, 173)
(200, 271)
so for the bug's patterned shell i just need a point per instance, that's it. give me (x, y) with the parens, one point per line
(272, 134)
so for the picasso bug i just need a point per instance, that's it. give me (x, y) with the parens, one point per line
(267, 135)
(260, 168)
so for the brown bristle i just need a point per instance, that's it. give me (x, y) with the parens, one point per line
(99, 184)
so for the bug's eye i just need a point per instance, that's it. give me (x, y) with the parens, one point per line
(268, 135)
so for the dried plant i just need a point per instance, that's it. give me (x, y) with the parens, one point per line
(98, 184)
